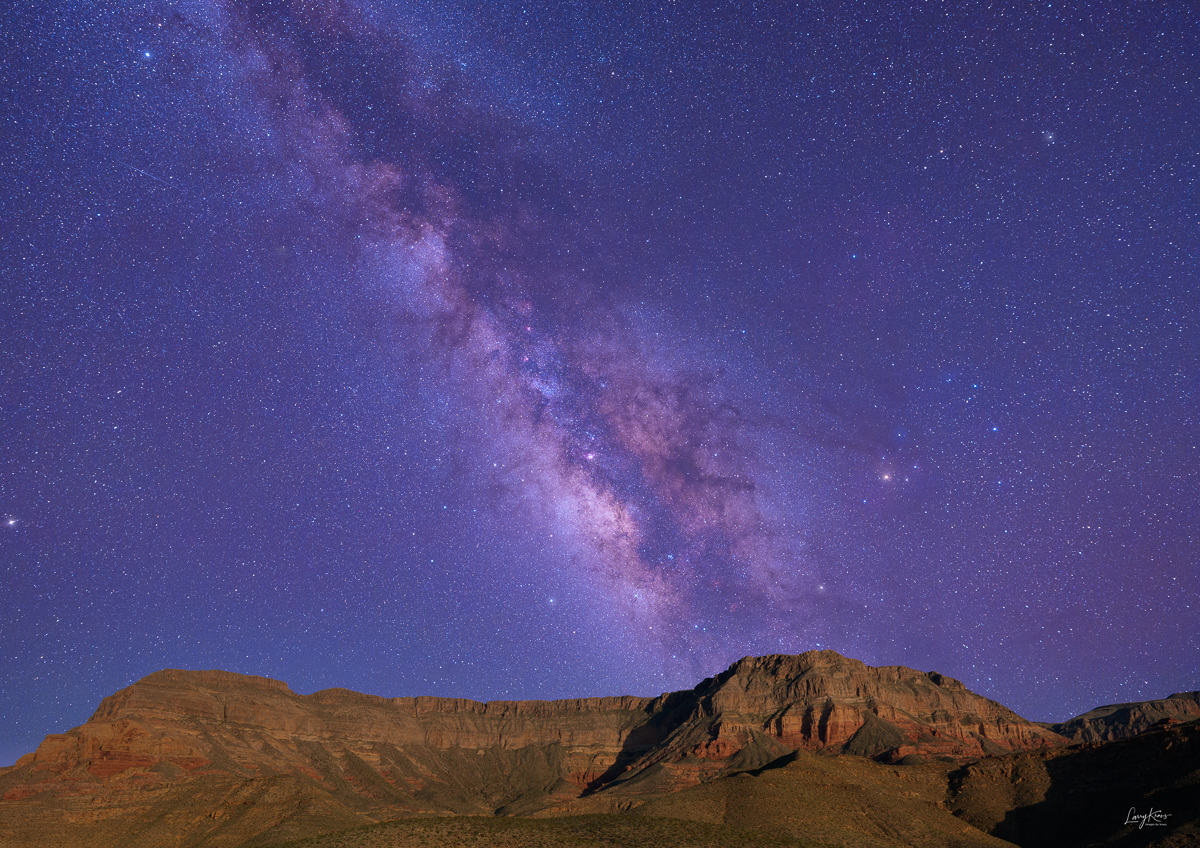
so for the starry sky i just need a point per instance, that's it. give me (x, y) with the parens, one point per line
(547, 349)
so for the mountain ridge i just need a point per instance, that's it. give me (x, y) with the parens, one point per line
(1111, 722)
(225, 757)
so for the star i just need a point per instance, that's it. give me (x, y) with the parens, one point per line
(507, 367)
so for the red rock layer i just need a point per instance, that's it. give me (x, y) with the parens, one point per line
(763, 707)
(178, 737)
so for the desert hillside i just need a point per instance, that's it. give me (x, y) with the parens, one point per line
(810, 747)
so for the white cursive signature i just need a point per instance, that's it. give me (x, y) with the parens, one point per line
(1154, 818)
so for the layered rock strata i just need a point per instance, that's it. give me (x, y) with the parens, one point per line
(224, 756)
(1121, 721)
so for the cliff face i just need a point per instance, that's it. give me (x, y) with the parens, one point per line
(1121, 721)
(221, 757)
(254, 725)
(822, 701)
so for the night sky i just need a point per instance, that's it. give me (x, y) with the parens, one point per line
(546, 349)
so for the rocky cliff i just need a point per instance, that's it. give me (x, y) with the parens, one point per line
(1121, 721)
(220, 757)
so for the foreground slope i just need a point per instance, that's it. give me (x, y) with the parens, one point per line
(830, 801)
(1086, 795)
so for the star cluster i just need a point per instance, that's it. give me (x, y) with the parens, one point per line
(542, 351)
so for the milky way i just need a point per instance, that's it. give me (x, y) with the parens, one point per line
(534, 352)
(639, 467)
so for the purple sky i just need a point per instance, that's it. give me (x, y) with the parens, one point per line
(533, 350)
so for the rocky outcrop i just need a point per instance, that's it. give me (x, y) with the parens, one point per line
(1088, 794)
(822, 701)
(764, 707)
(189, 747)
(1121, 721)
